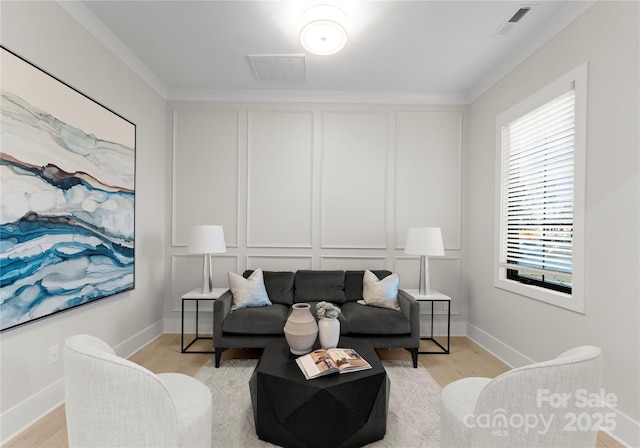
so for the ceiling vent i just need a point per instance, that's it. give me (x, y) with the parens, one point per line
(507, 26)
(278, 67)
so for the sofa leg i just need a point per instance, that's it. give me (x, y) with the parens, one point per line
(414, 356)
(219, 351)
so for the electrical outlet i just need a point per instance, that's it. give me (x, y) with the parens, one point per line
(53, 354)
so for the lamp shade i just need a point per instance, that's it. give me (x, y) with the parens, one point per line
(424, 241)
(207, 239)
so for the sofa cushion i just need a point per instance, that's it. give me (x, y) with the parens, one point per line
(353, 281)
(363, 319)
(382, 293)
(315, 286)
(248, 292)
(279, 285)
(263, 320)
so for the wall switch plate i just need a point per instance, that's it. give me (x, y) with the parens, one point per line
(53, 354)
(446, 306)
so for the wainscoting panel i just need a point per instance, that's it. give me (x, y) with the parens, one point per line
(279, 198)
(354, 174)
(429, 172)
(205, 170)
(315, 186)
(353, 263)
(279, 262)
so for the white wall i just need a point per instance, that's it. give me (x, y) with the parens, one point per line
(315, 186)
(522, 330)
(44, 34)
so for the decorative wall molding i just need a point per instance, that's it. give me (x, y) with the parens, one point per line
(273, 262)
(206, 198)
(278, 141)
(353, 262)
(422, 137)
(350, 209)
(354, 205)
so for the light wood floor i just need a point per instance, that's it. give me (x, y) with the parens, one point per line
(163, 355)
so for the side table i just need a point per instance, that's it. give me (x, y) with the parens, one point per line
(197, 296)
(435, 296)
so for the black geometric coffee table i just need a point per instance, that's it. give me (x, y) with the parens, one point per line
(347, 410)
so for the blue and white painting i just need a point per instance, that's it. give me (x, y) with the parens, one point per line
(67, 179)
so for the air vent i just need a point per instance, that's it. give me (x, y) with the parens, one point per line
(278, 67)
(519, 14)
(507, 26)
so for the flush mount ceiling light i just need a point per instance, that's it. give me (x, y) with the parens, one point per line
(323, 30)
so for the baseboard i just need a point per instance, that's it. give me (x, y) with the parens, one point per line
(20, 417)
(173, 325)
(497, 348)
(627, 430)
(457, 328)
(140, 340)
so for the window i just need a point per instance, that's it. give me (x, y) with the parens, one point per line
(541, 167)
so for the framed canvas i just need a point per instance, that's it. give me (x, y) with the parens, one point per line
(67, 179)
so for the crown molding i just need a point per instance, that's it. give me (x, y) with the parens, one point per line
(567, 14)
(99, 30)
(297, 96)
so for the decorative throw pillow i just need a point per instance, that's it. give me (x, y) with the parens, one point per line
(249, 292)
(381, 293)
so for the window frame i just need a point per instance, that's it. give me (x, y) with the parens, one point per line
(575, 299)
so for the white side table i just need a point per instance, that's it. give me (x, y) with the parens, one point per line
(196, 296)
(435, 296)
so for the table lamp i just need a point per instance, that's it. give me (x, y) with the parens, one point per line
(426, 242)
(207, 240)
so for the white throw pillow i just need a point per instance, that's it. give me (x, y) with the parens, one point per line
(248, 292)
(381, 293)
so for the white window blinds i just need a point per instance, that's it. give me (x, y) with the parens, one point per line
(538, 190)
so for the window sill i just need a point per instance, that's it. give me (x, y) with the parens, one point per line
(556, 298)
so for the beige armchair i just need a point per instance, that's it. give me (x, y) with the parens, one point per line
(539, 405)
(113, 402)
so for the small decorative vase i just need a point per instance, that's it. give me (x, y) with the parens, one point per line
(301, 329)
(329, 332)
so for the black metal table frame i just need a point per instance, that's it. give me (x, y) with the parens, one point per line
(197, 337)
(444, 351)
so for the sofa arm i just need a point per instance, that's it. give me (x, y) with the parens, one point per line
(410, 307)
(221, 308)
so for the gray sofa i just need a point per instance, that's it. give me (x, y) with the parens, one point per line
(254, 327)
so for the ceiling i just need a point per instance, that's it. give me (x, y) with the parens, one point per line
(398, 51)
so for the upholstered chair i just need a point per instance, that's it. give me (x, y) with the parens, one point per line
(532, 406)
(113, 402)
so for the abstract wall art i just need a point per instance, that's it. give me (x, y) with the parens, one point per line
(67, 196)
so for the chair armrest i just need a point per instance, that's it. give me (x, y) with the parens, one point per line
(410, 307)
(221, 308)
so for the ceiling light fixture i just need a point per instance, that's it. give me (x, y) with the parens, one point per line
(323, 30)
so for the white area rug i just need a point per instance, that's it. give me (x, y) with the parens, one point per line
(414, 406)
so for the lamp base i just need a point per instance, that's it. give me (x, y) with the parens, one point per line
(206, 275)
(425, 284)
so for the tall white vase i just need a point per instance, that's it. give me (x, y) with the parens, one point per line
(301, 329)
(329, 332)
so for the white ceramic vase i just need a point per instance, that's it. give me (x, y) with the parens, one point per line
(301, 329)
(329, 332)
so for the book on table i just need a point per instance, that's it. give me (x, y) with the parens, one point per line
(334, 360)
